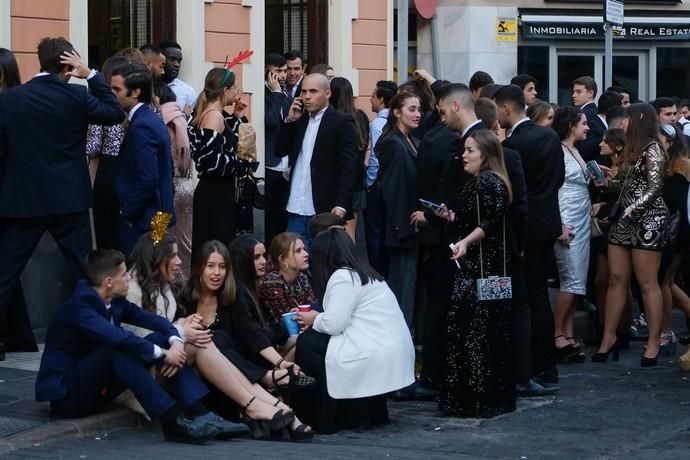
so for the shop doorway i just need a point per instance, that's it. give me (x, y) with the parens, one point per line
(630, 70)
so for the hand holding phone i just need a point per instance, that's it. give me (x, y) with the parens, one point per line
(295, 109)
(430, 204)
(272, 80)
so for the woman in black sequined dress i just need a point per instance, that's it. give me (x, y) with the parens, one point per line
(480, 380)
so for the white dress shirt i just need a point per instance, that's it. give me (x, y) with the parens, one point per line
(603, 120)
(465, 131)
(301, 200)
(510, 132)
(184, 94)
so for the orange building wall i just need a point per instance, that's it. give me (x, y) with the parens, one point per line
(227, 33)
(31, 21)
(369, 52)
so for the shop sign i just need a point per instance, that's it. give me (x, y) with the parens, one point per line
(592, 31)
(506, 29)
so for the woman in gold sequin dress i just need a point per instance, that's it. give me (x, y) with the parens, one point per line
(637, 238)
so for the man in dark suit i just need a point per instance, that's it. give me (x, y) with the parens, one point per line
(526, 386)
(542, 160)
(89, 359)
(144, 180)
(295, 74)
(276, 107)
(584, 93)
(323, 156)
(44, 178)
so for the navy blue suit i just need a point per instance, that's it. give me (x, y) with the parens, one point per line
(89, 360)
(44, 178)
(144, 180)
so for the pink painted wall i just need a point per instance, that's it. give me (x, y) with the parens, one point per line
(227, 33)
(369, 52)
(31, 21)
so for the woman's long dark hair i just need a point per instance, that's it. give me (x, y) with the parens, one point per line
(331, 250)
(242, 257)
(191, 294)
(565, 120)
(147, 259)
(9, 70)
(643, 127)
(343, 100)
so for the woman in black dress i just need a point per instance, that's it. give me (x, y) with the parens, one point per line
(213, 294)
(212, 141)
(675, 195)
(480, 380)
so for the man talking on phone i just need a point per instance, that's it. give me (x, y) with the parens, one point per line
(323, 157)
(276, 106)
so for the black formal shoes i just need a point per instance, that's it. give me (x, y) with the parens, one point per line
(416, 392)
(226, 429)
(532, 389)
(189, 430)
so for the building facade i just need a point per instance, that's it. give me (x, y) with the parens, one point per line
(557, 41)
(351, 35)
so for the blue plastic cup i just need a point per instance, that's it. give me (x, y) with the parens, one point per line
(290, 321)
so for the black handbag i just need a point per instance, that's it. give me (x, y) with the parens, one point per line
(247, 197)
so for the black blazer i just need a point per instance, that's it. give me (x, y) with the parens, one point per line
(398, 178)
(517, 230)
(43, 127)
(589, 148)
(542, 160)
(436, 152)
(335, 162)
(275, 109)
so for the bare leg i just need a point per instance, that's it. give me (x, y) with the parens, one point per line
(229, 380)
(680, 299)
(601, 283)
(646, 266)
(619, 276)
(667, 292)
(563, 306)
(351, 226)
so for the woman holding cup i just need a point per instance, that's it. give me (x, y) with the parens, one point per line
(286, 287)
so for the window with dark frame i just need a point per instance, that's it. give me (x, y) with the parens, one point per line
(300, 25)
(117, 24)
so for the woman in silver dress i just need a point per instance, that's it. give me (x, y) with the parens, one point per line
(637, 237)
(572, 248)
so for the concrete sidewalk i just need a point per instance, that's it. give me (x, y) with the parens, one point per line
(26, 423)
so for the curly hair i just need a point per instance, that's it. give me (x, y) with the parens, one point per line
(147, 260)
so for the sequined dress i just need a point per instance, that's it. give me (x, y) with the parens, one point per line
(480, 377)
(575, 207)
(642, 188)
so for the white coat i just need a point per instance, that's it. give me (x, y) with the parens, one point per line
(370, 351)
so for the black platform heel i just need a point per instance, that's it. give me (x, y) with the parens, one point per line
(261, 429)
(603, 357)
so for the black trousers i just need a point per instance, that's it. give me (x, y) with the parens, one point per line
(106, 204)
(316, 408)
(522, 323)
(277, 191)
(19, 239)
(538, 257)
(440, 281)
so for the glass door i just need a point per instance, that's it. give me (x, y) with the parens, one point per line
(570, 67)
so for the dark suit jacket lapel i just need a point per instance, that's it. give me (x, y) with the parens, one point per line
(323, 126)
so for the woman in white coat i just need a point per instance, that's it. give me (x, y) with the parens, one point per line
(359, 349)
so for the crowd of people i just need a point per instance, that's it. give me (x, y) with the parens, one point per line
(426, 238)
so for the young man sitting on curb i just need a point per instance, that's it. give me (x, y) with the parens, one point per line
(89, 359)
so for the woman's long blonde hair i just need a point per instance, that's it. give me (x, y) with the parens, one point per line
(492, 157)
(216, 81)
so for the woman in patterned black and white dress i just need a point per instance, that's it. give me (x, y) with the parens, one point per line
(213, 142)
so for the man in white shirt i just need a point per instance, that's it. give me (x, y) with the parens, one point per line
(323, 154)
(185, 94)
